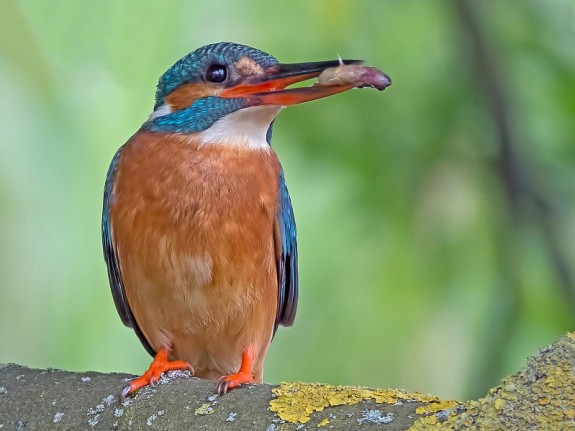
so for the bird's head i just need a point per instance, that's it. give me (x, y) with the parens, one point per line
(227, 92)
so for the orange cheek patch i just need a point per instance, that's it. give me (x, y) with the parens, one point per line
(186, 94)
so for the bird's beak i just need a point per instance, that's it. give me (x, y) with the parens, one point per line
(269, 88)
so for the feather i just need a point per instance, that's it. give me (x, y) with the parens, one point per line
(286, 258)
(111, 258)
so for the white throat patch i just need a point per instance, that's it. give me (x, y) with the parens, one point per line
(243, 128)
(161, 111)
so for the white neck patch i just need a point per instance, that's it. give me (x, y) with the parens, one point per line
(243, 128)
(162, 110)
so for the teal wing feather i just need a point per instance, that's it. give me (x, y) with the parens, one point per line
(286, 258)
(111, 258)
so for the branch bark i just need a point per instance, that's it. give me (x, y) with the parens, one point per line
(540, 396)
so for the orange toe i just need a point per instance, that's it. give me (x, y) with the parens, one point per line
(159, 366)
(231, 381)
(244, 375)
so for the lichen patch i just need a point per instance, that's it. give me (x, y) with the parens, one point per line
(205, 409)
(540, 396)
(296, 402)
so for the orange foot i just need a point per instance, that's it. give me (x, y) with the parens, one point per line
(244, 375)
(159, 366)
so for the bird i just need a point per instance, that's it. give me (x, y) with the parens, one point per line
(198, 228)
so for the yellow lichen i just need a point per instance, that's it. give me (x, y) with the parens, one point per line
(499, 403)
(540, 396)
(430, 420)
(436, 406)
(546, 383)
(205, 409)
(295, 402)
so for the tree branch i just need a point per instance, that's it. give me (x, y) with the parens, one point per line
(540, 396)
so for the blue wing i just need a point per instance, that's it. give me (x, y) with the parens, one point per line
(286, 258)
(111, 257)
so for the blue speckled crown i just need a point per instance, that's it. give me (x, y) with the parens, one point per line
(207, 110)
(191, 67)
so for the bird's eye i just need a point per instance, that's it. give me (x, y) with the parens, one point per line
(216, 73)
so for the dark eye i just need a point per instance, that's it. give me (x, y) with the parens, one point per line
(216, 73)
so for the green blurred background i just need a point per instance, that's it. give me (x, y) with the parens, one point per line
(435, 220)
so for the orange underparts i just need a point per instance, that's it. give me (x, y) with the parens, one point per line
(244, 375)
(159, 366)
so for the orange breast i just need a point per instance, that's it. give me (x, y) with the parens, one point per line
(193, 228)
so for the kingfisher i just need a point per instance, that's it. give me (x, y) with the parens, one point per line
(198, 229)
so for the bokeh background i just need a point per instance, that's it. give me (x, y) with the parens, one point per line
(435, 220)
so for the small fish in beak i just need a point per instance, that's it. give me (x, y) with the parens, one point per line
(354, 75)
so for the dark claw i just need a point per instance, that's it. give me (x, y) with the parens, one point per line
(222, 387)
(125, 392)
